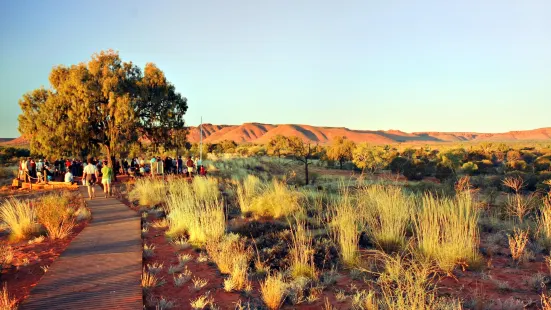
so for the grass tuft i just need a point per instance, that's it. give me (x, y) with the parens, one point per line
(19, 217)
(273, 291)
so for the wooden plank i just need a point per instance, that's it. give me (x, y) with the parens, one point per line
(101, 268)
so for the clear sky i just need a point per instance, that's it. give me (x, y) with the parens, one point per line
(470, 65)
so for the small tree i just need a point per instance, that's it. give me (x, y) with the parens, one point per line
(302, 151)
(341, 150)
(277, 145)
(369, 157)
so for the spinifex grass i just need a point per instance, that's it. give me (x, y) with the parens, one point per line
(302, 252)
(196, 209)
(544, 223)
(273, 291)
(345, 227)
(275, 200)
(148, 191)
(446, 230)
(232, 257)
(19, 217)
(53, 213)
(247, 191)
(517, 244)
(387, 212)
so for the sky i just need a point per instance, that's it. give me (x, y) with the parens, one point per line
(469, 65)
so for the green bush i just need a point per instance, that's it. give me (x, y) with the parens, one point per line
(399, 164)
(469, 168)
(542, 163)
(415, 170)
(443, 172)
(517, 165)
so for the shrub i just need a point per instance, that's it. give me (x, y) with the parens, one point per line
(517, 244)
(19, 217)
(443, 172)
(517, 165)
(518, 204)
(148, 191)
(446, 230)
(544, 223)
(276, 200)
(415, 170)
(273, 291)
(196, 209)
(398, 164)
(344, 227)
(54, 214)
(386, 210)
(542, 163)
(469, 168)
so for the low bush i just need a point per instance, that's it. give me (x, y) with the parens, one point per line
(232, 257)
(247, 191)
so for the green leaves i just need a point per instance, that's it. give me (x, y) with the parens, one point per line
(101, 104)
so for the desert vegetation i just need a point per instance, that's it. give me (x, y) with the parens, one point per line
(373, 238)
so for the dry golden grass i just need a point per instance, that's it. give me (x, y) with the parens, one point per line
(232, 257)
(344, 227)
(196, 209)
(517, 244)
(54, 214)
(246, 192)
(275, 200)
(201, 302)
(149, 281)
(7, 303)
(387, 212)
(302, 252)
(149, 192)
(19, 217)
(446, 231)
(545, 301)
(544, 223)
(6, 255)
(273, 291)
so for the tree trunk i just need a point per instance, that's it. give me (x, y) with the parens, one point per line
(109, 160)
(306, 170)
(340, 162)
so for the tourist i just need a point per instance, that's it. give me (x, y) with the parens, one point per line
(153, 163)
(32, 172)
(40, 171)
(90, 175)
(190, 166)
(69, 177)
(107, 176)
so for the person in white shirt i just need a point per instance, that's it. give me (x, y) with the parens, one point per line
(90, 174)
(69, 177)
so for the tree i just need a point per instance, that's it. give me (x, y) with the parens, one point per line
(369, 157)
(302, 151)
(103, 104)
(341, 150)
(277, 145)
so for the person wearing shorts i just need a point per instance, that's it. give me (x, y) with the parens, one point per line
(107, 177)
(90, 174)
(190, 165)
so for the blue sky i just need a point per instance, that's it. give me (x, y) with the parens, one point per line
(466, 65)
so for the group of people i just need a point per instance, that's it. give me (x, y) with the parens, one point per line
(161, 166)
(40, 170)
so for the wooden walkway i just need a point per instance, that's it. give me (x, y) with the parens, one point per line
(101, 268)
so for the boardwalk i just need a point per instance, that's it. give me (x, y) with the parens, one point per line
(102, 266)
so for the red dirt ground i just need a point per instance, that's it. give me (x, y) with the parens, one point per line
(23, 276)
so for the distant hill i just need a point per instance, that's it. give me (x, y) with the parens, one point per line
(261, 133)
(15, 142)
